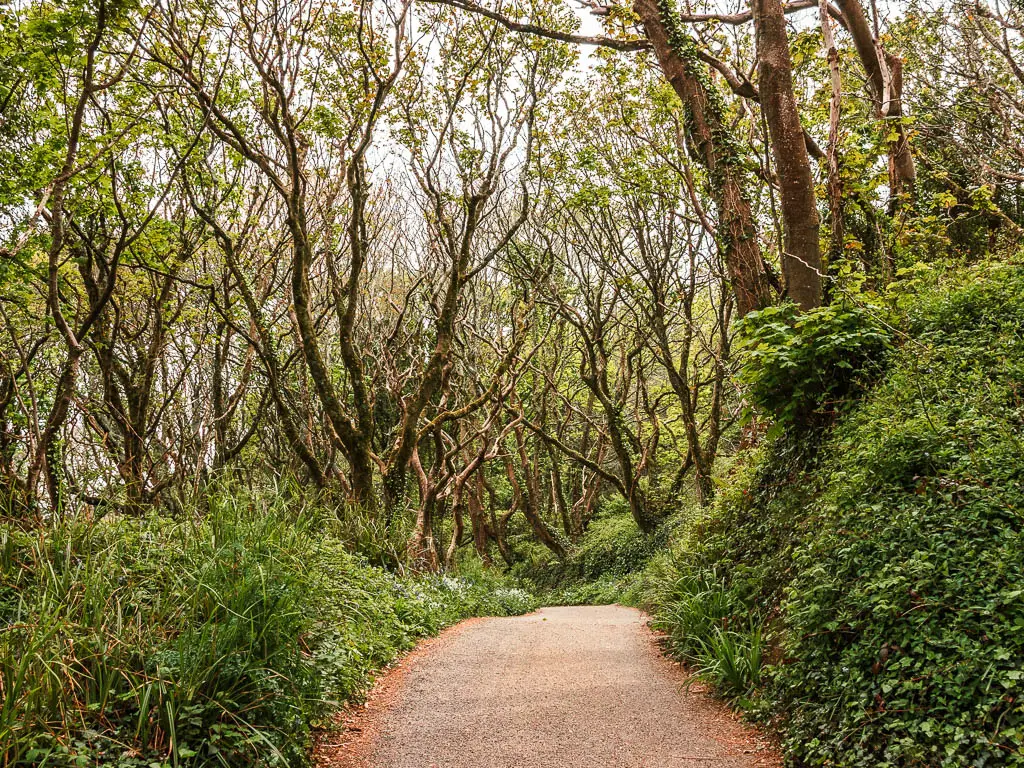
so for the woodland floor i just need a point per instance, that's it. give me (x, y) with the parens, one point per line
(559, 688)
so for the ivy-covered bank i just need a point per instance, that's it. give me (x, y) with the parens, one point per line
(219, 639)
(863, 590)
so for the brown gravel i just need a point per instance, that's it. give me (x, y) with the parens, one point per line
(560, 688)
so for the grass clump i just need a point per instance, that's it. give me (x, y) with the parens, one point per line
(708, 625)
(218, 640)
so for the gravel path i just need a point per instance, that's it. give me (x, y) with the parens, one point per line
(560, 688)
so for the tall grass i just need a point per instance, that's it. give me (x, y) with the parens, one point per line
(707, 625)
(212, 640)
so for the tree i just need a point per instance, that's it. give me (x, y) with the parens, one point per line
(801, 256)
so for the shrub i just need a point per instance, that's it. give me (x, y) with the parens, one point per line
(746, 539)
(613, 545)
(603, 590)
(602, 567)
(800, 367)
(885, 562)
(905, 617)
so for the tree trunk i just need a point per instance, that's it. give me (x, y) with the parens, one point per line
(477, 521)
(422, 548)
(709, 134)
(558, 495)
(885, 82)
(583, 508)
(530, 501)
(902, 172)
(835, 184)
(458, 528)
(801, 255)
(353, 442)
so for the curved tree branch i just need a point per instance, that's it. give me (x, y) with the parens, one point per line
(551, 34)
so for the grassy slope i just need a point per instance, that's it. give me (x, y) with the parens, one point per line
(219, 642)
(885, 568)
(602, 568)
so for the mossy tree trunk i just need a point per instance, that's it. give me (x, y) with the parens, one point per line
(709, 135)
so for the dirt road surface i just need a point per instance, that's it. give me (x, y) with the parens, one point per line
(560, 688)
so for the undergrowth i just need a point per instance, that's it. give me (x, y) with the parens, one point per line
(213, 640)
(602, 568)
(905, 616)
(864, 591)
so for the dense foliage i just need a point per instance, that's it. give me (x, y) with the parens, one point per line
(601, 568)
(220, 640)
(904, 616)
(799, 367)
(878, 577)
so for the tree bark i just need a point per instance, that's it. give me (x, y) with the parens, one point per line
(530, 501)
(835, 183)
(708, 133)
(422, 548)
(801, 254)
(558, 493)
(477, 521)
(885, 83)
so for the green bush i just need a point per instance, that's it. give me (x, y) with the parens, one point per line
(613, 545)
(746, 539)
(601, 568)
(369, 535)
(801, 367)
(201, 641)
